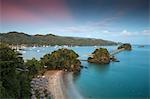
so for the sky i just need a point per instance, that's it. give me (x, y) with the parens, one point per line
(116, 20)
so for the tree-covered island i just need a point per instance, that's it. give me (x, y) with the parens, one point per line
(62, 59)
(126, 46)
(100, 56)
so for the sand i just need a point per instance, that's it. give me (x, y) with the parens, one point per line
(56, 84)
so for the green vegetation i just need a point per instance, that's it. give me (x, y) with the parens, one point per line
(16, 74)
(49, 39)
(13, 83)
(63, 59)
(126, 46)
(34, 66)
(100, 56)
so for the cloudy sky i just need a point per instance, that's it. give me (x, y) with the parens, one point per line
(116, 20)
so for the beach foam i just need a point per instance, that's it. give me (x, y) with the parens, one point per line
(72, 90)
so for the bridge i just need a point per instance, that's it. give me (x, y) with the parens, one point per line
(116, 51)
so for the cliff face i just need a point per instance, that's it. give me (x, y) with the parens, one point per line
(100, 56)
(126, 46)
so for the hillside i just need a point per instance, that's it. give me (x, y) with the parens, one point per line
(49, 39)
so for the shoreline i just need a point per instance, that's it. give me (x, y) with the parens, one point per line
(73, 92)
(56, 84)
(61, 86)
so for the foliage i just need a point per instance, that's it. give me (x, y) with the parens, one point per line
(100, 56)
(62, 59)
(34, 66)
(10, 79)
(24, 82)
(126, 46)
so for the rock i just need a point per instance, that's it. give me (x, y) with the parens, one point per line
(33, 97)
(85, 67)
(82, 66)
(117, 61)
(39, 88)
(100, 56)
(114, 59)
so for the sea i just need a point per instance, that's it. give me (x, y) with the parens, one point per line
(127, 79)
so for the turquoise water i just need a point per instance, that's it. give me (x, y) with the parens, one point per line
(127, 79)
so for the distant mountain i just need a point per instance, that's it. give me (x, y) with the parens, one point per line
(49, 39)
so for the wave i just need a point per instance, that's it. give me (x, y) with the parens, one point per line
(72, 90)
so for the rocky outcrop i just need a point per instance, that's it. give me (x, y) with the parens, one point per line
(39, 89)
(114, 59)
(100, 56)
(126, 46)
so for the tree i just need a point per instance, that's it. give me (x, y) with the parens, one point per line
(100, 56)
(8, 63)
(63, 59)
(11, 78)
(126, 46)
(24, 84)
(34, 66)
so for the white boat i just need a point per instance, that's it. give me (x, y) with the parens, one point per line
(56, 46)
(76, 46)
(34, 46)
(65, 46)
(23, 51)
(38, 50)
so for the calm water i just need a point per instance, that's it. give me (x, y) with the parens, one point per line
(127, 79)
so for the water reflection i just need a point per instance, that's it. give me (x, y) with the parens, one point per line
(99, 67)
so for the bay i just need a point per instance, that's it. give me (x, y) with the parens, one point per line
(127, 79)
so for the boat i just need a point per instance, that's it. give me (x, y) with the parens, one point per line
(38, 50)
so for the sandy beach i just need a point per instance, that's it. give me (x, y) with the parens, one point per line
(56, 84)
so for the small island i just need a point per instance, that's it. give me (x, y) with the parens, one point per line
(100, 56)
(126, 46)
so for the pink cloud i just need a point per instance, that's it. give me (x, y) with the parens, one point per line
(35, 11)
(13, 13)
(52, 8)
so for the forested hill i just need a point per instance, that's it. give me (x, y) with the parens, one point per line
(49, 39)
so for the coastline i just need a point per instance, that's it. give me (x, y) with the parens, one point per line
(61, 86)
(56, 84)
(72, 90)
